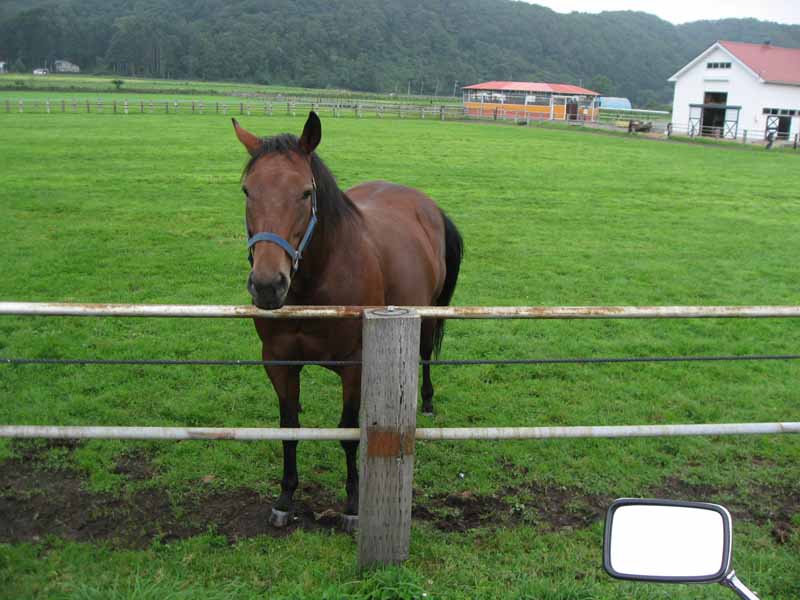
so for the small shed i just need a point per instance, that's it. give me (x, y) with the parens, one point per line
(530, 100)
(611, 102)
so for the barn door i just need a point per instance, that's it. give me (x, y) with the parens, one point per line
(731, 123)
(695, 116)
(572, 110)
(773, 124)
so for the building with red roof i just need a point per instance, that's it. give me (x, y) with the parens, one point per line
(735, 87)
(530, 100)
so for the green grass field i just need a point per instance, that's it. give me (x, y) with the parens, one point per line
(25, 85)
(147, 209)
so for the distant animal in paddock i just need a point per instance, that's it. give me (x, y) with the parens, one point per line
(310, 243)
(640, 126)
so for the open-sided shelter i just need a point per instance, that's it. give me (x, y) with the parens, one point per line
(530, 100)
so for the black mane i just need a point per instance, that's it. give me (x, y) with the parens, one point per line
(333, 205)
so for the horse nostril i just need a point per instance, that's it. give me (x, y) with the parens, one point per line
(276, 286)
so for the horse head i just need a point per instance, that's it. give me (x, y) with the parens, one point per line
(279, 186)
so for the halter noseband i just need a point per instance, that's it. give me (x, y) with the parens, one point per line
(294, 254)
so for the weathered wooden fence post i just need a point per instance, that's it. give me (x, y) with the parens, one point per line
(388, 422)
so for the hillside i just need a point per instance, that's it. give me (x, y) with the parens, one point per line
(374, 45)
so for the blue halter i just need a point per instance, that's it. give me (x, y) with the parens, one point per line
(294, 254)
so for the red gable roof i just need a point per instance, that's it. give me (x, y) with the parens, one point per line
(527, 86)
(771, 63)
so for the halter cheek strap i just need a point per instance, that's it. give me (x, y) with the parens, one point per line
(295, 254)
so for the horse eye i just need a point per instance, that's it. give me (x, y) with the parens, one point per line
(244, 189)
(307, 194)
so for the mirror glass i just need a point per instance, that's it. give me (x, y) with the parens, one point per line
(667, 541)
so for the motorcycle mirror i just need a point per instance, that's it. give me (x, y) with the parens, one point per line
(672, 542)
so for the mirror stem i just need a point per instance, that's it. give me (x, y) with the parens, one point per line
(733, 582)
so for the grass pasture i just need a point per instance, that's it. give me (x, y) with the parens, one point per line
(23, 85)
(147, 209)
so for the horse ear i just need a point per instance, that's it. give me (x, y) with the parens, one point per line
(312, 133)
(249, 141)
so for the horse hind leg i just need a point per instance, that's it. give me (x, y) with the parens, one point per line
(426, 346)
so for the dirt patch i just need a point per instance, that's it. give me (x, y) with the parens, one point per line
(461, 512)
(549, 507)
(37, 500)
(773, 506)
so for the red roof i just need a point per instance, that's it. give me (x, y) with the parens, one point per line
(528, 86)
(771, 63)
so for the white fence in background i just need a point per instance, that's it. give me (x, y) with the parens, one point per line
(656, 123)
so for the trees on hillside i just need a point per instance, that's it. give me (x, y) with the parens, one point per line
(424, 46)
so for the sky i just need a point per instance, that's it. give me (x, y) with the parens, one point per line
(682, 11)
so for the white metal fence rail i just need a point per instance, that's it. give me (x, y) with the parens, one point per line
(249, 434)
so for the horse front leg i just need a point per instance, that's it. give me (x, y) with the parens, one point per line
(351, 404)
(286, 381)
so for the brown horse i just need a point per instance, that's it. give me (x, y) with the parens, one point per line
(376, 244)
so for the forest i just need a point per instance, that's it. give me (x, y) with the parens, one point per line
(427, 47)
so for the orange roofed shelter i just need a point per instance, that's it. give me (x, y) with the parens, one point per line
(530, 100)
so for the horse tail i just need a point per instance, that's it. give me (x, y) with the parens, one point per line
(453, 254)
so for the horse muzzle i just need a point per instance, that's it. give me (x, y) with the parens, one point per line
(268, 294)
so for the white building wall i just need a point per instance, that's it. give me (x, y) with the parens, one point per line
(743, 89)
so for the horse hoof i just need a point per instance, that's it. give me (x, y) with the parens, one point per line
(349, 522)
(279, 518)
(427, 413)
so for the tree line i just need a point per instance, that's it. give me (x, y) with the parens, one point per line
(390, 46)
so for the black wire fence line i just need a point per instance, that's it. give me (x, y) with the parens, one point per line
(355, 363)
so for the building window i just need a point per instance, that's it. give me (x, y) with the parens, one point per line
(783, 112)
(718, 65)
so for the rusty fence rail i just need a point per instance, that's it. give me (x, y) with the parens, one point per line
(69, 309)
(389, 390)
